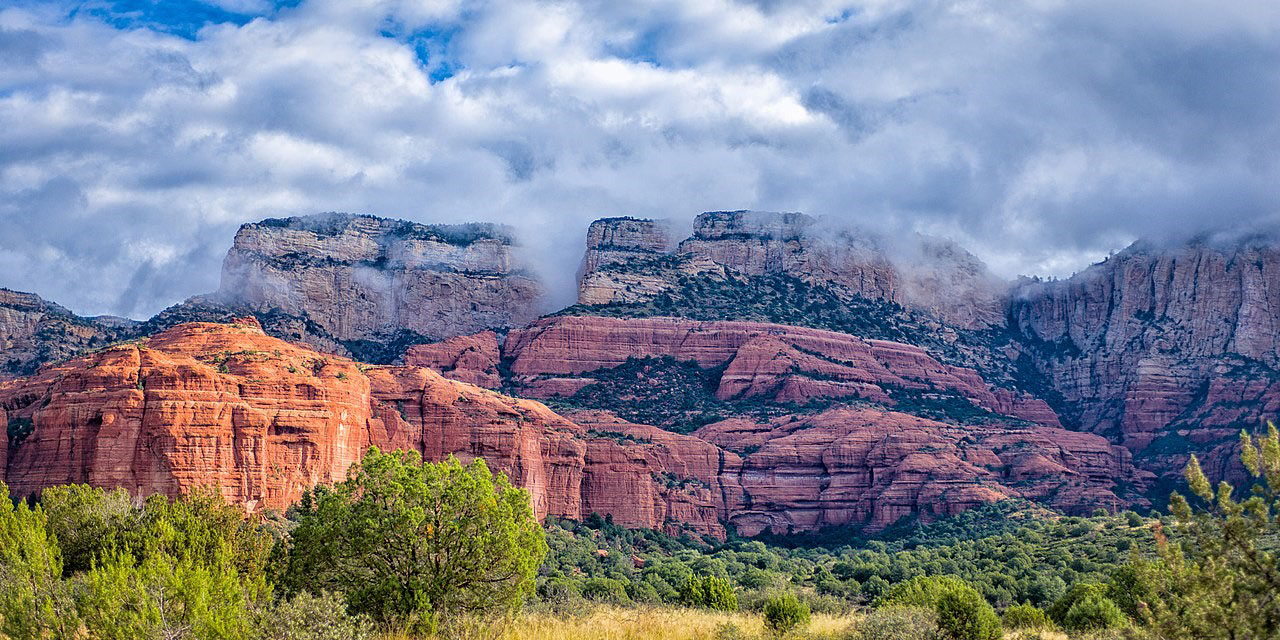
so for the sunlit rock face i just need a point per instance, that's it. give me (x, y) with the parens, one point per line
(366, 278)
(1168, 350)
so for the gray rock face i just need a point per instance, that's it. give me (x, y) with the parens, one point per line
(1167, 350)
(34, 331)
(930, 275)
(363, 278)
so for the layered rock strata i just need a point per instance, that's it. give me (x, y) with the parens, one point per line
(261, 420)
(772, 362)
(1166, 350)
(626, 263)
(363, 278)
(34, 331)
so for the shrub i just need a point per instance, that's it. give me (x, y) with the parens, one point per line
(1093, 612)
(406, 541)
(708, 592)
(310, 617)
(897, 623)
(784, 613)
(1077, 592)
(1026, 616)
(963, 614)
(605, 590)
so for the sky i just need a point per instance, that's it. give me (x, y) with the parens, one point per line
(136, 135)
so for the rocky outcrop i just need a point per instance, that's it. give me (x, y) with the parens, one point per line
(261, 420)
(473, 359)
(851, 466)
(627, 263)
(362, 278)
(34, 331)
(778, 363)
(1167, 350)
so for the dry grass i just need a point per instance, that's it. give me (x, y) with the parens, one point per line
(610, 623)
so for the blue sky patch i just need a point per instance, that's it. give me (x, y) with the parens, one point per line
(182, 18)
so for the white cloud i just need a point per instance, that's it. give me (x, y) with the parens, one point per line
(1043, 134)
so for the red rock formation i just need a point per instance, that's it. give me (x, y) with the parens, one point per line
(472, 359)
(1163, 344)
(775, 362)
(865, 465)
(262, 420)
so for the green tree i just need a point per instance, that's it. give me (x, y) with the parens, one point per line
(784, 613)
(708, 592)
(1025, 616)
(1093, 612)
(312, 617)
(89, 522)
(1218, 577)
(405, 540)
(34, 602)
(164, 596)
(963, 614)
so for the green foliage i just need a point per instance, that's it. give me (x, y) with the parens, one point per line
(89, 522)
(1218, 576)
(708, 592)
(164, 596)
(1093, 612)
(962, 612)
(18, 429)
(312, 617)
(34, 602)
(784, 613)
(1078, 592)
(406, 541)
(898, 623)
(964, 615)
(1025, 616)
(605, 590)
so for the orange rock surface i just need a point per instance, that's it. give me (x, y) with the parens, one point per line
(774, 362)
(262, 420)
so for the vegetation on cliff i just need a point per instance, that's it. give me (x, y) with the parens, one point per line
(405, 545)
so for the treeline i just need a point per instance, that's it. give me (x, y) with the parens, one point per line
(400, 545)
(406, 546)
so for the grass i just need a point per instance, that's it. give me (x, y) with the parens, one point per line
(640, 623)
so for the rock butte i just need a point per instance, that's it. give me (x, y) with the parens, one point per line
(261, 420)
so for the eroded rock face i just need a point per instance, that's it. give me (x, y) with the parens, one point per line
(772, 362)
(363, 278)
(1167, 350)
(262, 420)
(849, 466)
(34, 331)
(624, 263)
(473, 359)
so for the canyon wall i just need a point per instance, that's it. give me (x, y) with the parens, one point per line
(261, 420)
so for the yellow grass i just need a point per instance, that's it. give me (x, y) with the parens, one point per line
(659, 623)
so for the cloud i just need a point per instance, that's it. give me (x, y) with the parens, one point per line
(135, 135)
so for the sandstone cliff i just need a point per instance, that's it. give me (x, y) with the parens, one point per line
(34, 331)
(1167, 350)
(367, 279)
(628, 261)
(777, 363)
(261, 420)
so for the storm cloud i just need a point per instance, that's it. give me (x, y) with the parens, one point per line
(136, 135)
